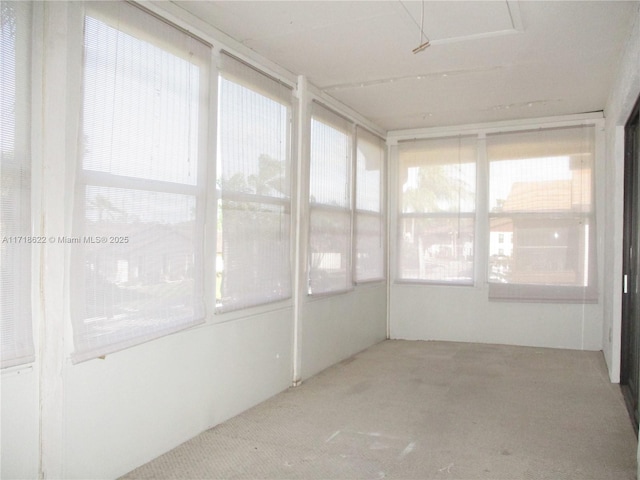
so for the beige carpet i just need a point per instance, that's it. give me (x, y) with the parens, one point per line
(426, 410)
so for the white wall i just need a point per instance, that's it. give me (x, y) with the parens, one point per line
(104, 417)
(622, 98)
(20, 424)
(335, 328)
(464, 314)
(127, 409)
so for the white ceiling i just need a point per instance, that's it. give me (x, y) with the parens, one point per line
(488, 60)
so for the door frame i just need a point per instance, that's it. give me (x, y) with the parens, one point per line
(631, 191)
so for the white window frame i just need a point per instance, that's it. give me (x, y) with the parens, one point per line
(456, 216)
(137, 22)
(379, 214)
(318, 264)
(554, 293)
(334, 119)
(265, 85)
(581, 295)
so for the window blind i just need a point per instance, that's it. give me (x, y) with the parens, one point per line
(330, 202)
(139, 213)
(542, 229)
(16, 335)
(370, 218)
(436, 227)
(254, 180)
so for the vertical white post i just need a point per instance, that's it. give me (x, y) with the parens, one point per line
(211, 195)
(481, 241)
(50, 152)
(392, 222)
(301, 222)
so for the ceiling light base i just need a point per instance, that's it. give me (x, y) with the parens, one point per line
(421, 47)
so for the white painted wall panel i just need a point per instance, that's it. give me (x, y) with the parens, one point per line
(339, 326)
(20, 425)
(123, 411)
(464, 314)
(622, 98)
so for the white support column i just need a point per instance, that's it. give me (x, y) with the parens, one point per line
(301, 222)
(392, 219)
(481, 241)
(57, 47)
(211, 197)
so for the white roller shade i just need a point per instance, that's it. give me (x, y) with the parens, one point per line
(370, 217)
(330, 202)
(541, 213)
(436, 224)
(254, 180)
(139, 213)
(16, 336)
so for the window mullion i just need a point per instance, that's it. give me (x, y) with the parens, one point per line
(353, 190)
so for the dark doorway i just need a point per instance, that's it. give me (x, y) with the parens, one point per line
(630, 368)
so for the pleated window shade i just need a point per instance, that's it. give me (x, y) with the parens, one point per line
(370, 216)
(16, 335)
(436, 224)
(139, 212)
(330, 202)
(541, 213)
(253, 262)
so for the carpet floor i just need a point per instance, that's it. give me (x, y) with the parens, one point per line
(426, 410)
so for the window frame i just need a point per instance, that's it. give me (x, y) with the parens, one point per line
(457, 216)
(331, 119)
(380, 215)
(527, 292)
(482, 245)
(137, 22)
(334, 119)
(222, 195)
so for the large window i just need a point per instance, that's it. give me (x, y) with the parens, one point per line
(436, 224)
(370, 218)
(542, 235)
(138, 221)
(330, 202)
(16, 334)
(253, 262)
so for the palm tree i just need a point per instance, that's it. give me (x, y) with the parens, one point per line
(438, 188)
(103, 205)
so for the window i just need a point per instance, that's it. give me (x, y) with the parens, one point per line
(436, 224)
(254, 180)
(541, 204)
(16, 332)
(138, 220)
(370, 218)
(330, 202)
